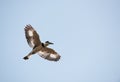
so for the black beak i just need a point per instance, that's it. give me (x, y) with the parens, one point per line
(49, 42)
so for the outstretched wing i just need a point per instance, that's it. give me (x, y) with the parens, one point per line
(49, 54)
(32, 36)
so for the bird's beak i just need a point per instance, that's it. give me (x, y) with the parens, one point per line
(51, 43)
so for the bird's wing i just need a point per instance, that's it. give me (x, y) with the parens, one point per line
(49, 54)
(32, 36)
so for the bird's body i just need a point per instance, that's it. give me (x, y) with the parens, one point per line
(38, 47)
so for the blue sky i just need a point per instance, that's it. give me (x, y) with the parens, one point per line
(86, 33)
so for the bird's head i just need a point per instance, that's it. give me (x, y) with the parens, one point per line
(48, 43)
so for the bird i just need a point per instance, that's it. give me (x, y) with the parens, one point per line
(38, 47)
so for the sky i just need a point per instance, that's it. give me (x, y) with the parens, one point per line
(86, 33)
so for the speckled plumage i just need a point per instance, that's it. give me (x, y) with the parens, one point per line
(38, 47)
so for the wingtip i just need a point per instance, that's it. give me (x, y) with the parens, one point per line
(26, 58)
(28, 27)
(58, 58)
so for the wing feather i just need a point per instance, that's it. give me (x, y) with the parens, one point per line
(32, 36)
(49, 54)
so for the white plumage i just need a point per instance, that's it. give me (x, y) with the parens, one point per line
(30, 33)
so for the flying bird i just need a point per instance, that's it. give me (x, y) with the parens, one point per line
(38, 47)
